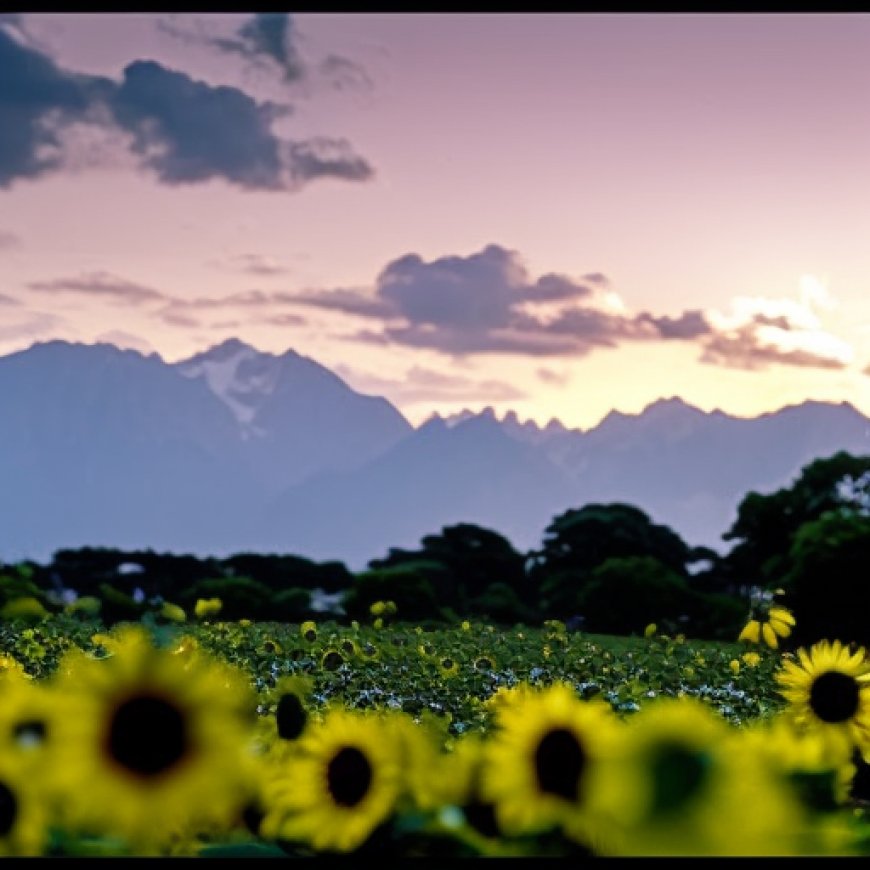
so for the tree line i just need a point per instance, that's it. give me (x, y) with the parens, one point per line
(603, 568)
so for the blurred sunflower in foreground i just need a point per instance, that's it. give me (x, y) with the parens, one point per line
(341, 784)
(23, 818)
(674, 785)
(148, 743)
(828, 690)
(538, 760)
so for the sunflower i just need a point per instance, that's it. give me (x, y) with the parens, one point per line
(821, 774)
(25, 719)
(308, 630)
(331, 659)
(270, 647)
(671, 784)
(537, 761)
(828, 689)
(146, 742)
(768, 624)
(484, 663)
(288, 714)
(11, 667)
(23, 815)
(348, 647)
(448, 667)
(206, 607)
(342, 784)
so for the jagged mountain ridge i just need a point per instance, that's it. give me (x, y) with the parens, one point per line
(236, 449)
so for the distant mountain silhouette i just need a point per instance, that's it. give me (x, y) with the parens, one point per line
(236, 449)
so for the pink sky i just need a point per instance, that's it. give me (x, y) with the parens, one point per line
(581, 211)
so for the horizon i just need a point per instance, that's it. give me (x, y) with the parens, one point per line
(648, 205)
(453, 417)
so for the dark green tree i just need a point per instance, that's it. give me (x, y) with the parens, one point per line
(462, 561)
(624, 595)
(580, 539)
(413, 593)
(766, 524)
(828, 581)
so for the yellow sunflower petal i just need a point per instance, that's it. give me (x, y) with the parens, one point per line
(783, 614)
(751, 631)
(769, 635)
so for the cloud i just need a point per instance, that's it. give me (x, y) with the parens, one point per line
(690, 324)
(183, 320)
(36, 325)
(188, 131)
(744, 349)
(346, 301)
(270, 36)
(8, 241)
(253, 264)
(8, 300)
(183, 130)
(283, 320)
(37, 99)
(268, 39)
(550, 376)
(103, 285)
(345, 74)
(760, 330)
(420, 385)
(271, 41)
(488, 303)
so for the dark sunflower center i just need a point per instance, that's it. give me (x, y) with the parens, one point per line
(447, 664)
(269, 646)
(290, 716)
(147, 735)
(559, 762)
(332, 661)
(834, 696)
(8, 809)
(349, 776)
(679, 774)
(347, 647)
(30, 732)
(310, 635)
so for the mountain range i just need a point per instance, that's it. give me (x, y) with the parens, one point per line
(238, 450)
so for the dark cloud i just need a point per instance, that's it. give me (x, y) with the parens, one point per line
(37, 100)
(185, 131)
(457, 342)
(267, 39)
(8, 241)
(8, 300)
(347, 301)
(690, 324)
(324, 157)
(480, 304)
(173, 319)
(344, 74)
(742, 349)
(101, 284)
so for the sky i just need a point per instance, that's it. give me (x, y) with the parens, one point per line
(559, 214)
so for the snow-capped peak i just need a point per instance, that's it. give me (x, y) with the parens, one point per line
(238, 374)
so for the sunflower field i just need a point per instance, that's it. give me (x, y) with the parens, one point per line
(210, 738)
